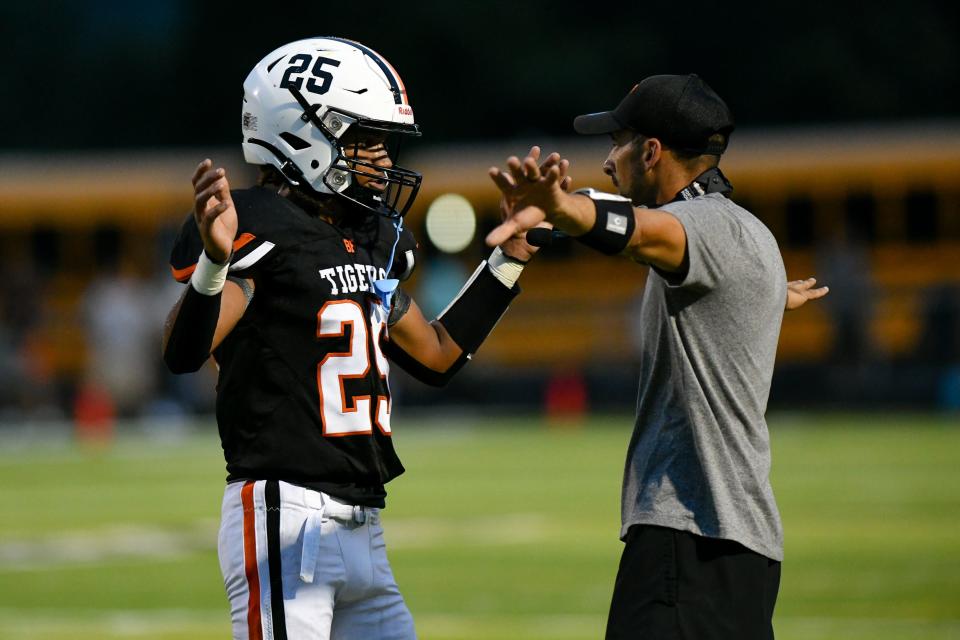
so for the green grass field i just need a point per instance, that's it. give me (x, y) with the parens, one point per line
(503, 529)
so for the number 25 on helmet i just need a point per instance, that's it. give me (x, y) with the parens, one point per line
(307, 108)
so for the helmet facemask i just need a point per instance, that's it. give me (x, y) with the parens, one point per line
(385, 190)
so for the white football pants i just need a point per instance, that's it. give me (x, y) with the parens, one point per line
(298, 565)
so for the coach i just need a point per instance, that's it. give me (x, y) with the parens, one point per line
(703, 539)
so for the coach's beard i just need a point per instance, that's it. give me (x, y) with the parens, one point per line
(642, 192)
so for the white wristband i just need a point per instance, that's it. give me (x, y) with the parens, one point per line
(208, 278)
(504, 268)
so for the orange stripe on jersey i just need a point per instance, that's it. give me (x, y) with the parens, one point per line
(243, 241)
(250, 562)
(182, 275)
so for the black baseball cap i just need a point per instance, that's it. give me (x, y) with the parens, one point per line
(681, 111)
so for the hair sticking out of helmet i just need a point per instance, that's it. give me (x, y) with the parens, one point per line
(340, 133)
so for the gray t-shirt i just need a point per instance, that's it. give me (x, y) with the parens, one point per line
(699, 458)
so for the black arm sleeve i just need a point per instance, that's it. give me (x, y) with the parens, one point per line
(477, 309)
(192, 333)
(469, 319)
(419, 371)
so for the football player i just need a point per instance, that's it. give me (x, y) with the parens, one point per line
(293, 288)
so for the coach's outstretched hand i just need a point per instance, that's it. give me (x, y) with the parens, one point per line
(213, 211)
(532, 193)
(799, 291)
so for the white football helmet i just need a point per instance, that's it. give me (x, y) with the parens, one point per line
(301, 100)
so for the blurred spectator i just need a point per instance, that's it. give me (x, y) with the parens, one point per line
(939, 344)
(29, 389)
(122, 337)
(940, 336)
(843, 264)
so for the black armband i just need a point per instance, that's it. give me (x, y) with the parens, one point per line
(419, 371)
(399, 308)
(192, 333)
(614, 225)
(477, 309)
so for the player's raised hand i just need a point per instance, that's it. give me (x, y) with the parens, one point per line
(213, 211)
(516, 246)
(800, 291)
(531, 193)
(508, 199)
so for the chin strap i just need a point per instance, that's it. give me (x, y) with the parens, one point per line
(385, 287)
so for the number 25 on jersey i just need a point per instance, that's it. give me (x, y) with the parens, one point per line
(344, 415)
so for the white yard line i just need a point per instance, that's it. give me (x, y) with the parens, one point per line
(137, 541)
(214, 623)
(112, 624)
(103, 545)
(142, 624)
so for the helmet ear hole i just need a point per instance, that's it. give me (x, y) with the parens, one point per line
(295, 142)
(314, 164)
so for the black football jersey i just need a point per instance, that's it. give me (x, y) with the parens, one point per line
(302, 394)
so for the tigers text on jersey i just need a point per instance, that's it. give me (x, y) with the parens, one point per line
(302, 394)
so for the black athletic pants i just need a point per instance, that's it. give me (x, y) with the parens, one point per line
(674, 585)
